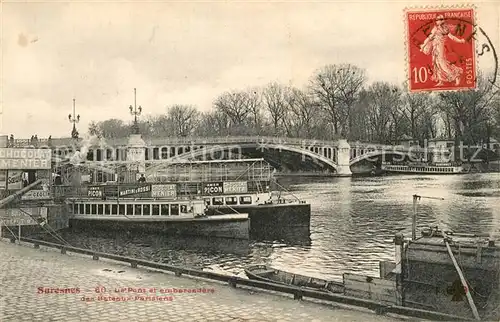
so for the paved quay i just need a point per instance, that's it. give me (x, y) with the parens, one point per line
(44, 285)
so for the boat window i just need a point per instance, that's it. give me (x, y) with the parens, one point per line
(164, 210)
(121, 209)
(207, 202)
(82, 209)
(156, 210)
(146, 210)
(93, 209)
(100, 209)
(87, 209)
(75, 208)
(245, 200)
(107, 209)
(130, 210)
(231, 200)
(184, 209)
(138, 210)
(217, 201)
(114, 209)
(174, 210)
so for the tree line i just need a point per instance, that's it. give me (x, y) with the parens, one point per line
(337, 103)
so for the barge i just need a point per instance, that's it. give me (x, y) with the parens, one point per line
(225, 188)
(444, 274)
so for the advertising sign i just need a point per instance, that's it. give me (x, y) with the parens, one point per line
(3, 179)
(235, 187)
(213, 188)
(16, 217)
(140, 190)
(14, 179)
(94, 192)
(25, 159)
(163, 191)
(36, 195)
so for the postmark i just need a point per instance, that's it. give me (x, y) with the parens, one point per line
(441, 49)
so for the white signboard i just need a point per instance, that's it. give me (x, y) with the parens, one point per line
(3, 179)
(163, 191)
(236, 187)
(24, 159)
(36, 195)
(16, 217)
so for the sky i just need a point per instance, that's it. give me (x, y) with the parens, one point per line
(185, 53)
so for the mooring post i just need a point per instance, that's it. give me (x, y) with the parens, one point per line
(414, 218)
(398, 270)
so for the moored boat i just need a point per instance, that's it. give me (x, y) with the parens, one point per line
(227, 187)
(422, 168)
(271, 275)
(183, 217)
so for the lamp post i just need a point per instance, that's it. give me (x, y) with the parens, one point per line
(135, 111)
(74, 119)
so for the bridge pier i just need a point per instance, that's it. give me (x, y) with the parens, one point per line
(136, 152)
(343, 159)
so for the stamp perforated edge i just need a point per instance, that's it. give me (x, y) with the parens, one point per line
(432, 8)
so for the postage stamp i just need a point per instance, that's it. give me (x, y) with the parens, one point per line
(441, 49)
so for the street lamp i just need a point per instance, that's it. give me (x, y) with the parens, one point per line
(135, 111)
(74, 119)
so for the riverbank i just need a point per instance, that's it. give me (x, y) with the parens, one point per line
(42, 285)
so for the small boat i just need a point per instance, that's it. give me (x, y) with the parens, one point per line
(271, 275)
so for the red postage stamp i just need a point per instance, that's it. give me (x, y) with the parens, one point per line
(441, 49)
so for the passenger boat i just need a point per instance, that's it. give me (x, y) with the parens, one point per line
(423, 168)
(184, 217)
(268, 274)
(225, 188)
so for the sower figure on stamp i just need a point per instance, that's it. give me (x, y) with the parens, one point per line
(443, 70)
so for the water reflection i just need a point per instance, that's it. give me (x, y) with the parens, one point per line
(353, 223)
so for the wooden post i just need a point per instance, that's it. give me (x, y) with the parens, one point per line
(399, 243)
(19, 232)
(414, 218)
(462, 279)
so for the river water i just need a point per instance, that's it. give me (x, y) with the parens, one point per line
(353, 222)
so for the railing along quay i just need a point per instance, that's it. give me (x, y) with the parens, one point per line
(298, 293)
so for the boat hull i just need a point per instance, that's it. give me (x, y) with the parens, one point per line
(271, 275)
(272, 220)
(229, 226)
(422, 170)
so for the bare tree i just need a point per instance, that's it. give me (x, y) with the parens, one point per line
(469, 111)
(183, 119)
(380, 101)
(299, 119)
(275, 101)
(337, 88)
(235, 105)
(112, 128)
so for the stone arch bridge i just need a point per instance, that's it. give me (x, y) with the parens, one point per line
(283, 153)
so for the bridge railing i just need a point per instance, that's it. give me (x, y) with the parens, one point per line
(189, 141)
(178, 141)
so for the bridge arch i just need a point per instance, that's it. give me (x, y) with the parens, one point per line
(375, 154)
(210, 150)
